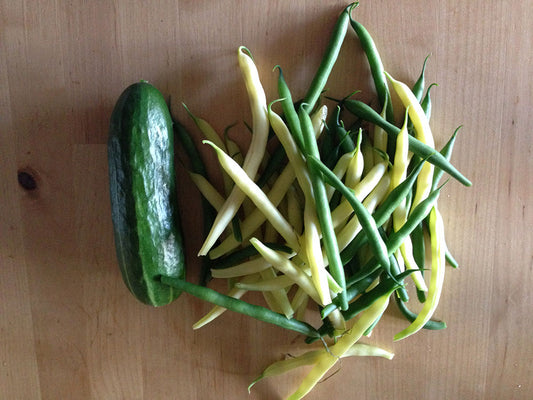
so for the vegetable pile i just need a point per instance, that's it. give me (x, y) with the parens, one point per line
(332, 206)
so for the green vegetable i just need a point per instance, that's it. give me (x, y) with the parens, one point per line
(322, 208)
(367, 222)
(329, 58)
(143, 197)
(236, 305)
(411, 316)
(376, 67)
(361, 110)
(394, 241)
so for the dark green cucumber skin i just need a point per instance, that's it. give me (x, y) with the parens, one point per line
(148, 237)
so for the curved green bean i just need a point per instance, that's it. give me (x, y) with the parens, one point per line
(396, 238)
(322, 207)
(386, 286)
(328, 60)
(376, 67)
(289, 111)
(368, 224)
(366, 112)
(351, 292)
(254, 311)
(411, 316)
(383, 212)
(198, 166)
(446, 152)
(426, 101)
(418, 87)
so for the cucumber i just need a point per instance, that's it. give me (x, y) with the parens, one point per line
(147, 232)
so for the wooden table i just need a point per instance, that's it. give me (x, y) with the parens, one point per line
(68, 327)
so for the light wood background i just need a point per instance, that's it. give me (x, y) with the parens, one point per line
(68, 327)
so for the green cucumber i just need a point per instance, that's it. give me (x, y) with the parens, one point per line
(146, 224)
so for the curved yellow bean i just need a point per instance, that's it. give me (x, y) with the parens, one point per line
(255, 152)
(328, 359)
(399, 215)
(438, 264)
(422, 133)
(259, 198)
(361, 190)
(285, 266)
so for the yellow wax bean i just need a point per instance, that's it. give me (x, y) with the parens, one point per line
(207, 130)
(367, 350)
(318, 119)
(380, 136)
(356, 166)
(311, 357)
(328, 359)
(277, 299)
(340, 170)
(299, 303)
(246, 268)
(361, 190)
(285, 266)
(422, 133)
(376, 196)
(438, 264)
(260, 199)
(255, 152)
(313, 253)
(399, 215)
(256, 218)
(275, 283)
(210, 134)
(294, 155)
(207, 190)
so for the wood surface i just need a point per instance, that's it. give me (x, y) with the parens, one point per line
(69, 329)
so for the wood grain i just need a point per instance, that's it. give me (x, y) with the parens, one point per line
(68, 327)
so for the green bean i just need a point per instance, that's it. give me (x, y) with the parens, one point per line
(291, 116)
(328, 60)
(254, 311)
(351, 292)
(416, 216)
(326, 329)
(418, 91)
(368, 224)
(322, 207)
(426, 101)
(198, 166)
(419, 254)
(383, 212)
(446, 152)
(395, 270)
(450, 259)
(371, 327)
(418, 87)
(411, 316)
(396, 238)
(387, 286)
(376, 67)
(346, 143)
(365, 112)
